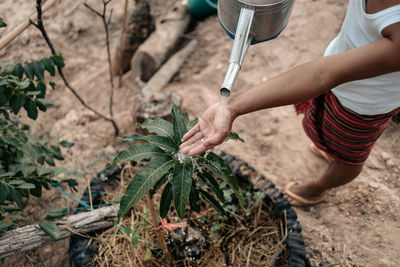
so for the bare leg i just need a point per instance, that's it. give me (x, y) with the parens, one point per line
(336, 175)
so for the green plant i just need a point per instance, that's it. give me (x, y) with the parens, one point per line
(181, 174)
(26, 164)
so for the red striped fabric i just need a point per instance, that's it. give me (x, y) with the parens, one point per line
(346, 136)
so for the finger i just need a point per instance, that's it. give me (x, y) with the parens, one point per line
(195, 138)
(213, 141)
(199, 148)
(186, 150)
(191, 132)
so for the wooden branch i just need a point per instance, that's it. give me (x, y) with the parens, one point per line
(161, 43)
(167, 71)
(31, 237)
(23, 25)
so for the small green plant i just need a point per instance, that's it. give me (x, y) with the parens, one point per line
(26, 164)
(181, 174)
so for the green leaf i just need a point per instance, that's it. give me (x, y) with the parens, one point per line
(4, 191)
(194, 198)
(222, 170)
(38, 69)
(49, 66)
(45, 102)
(5, 113)
(211, 183)
(67, 144)
(37, 191)
(234, 136)
(135, 237)
(143, 181)
(58, 60)
(212, 201)
(50, 228)
(178, 121)
(165, 201)
(18, 71)
(16, 102)
(31, 108)
(2, 23)
(56, 213)
(16, 196)
(27, 169)
(26, 186)
(139, 152)
(159, 126)
(160, 141)
(159, 183)
(42, 88)
(29, 69)
(181, 185)
(4, 226)
(16, 218)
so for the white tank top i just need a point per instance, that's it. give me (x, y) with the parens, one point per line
(371, 96)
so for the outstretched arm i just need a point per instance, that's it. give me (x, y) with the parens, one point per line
(296, 85)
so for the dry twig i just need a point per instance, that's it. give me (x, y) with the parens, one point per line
(39, 25)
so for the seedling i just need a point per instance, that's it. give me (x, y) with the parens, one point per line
(181, 174)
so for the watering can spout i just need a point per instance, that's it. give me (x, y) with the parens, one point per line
(240, 45)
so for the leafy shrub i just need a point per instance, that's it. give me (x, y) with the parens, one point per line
(26, 165)
(169, 166)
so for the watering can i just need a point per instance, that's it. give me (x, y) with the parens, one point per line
(250, 22)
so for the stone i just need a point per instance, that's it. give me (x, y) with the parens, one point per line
(385, 156)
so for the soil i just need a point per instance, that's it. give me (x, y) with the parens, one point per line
(359, 222)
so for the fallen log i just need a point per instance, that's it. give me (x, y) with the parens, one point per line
(31, 237)
(167, 71)
(161, 43)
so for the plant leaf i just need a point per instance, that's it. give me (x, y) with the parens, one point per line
(182, 184)
(5, 226)
(159, 126)
(56, 213)
(49, 66)
(135, 237)
(29, 70)
(16, 102)
(58, 60)
(194, 198)
(178, 121)
(143, 181)
(67, 144)
(222, 170)
(16, 196)
(160, 141)
(139, 152)
(159, 183)
(165, 201)
(234, 136)
(4, 191)
(18, 70)
(2, 23)
(211, 183)
(50, 228)
(31, 108)
(213, 202)
(192, 123)
(38, 69)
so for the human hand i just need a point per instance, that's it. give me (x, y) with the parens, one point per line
(213, 127)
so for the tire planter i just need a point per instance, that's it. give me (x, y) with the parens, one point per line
(82, 251)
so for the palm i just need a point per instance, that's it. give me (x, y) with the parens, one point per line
(211, 130)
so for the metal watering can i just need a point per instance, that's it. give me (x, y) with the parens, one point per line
(250, 22)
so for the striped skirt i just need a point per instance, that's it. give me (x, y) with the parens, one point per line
(344, 135)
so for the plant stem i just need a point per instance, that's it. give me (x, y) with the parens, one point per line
(41, 28)
(106, 24)
(154, 217)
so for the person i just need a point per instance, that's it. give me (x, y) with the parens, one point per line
(348, 98)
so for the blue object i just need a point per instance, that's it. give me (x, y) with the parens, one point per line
(202, 8)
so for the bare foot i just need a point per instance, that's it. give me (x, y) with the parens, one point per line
(304, 194)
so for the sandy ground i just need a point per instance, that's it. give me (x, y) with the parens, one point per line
(359, 222)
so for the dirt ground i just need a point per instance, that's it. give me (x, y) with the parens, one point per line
(359, 222)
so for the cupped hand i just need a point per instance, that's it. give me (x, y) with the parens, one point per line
(213, 127)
